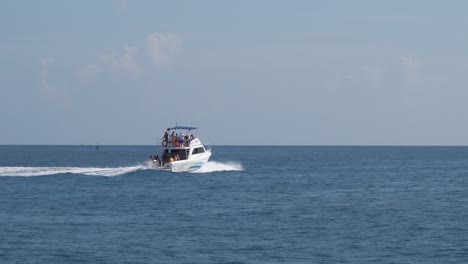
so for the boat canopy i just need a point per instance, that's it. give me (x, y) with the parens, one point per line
(183, 127)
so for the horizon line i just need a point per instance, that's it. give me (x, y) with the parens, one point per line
(243, 145)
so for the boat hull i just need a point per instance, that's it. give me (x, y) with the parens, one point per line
(185, 165)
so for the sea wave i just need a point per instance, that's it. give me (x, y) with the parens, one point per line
(215, 166)
(211, 166)
(43, 171)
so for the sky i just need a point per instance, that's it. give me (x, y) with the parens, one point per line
(263, 72)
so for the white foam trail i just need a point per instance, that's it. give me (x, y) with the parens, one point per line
(213, 166)
(42, 171)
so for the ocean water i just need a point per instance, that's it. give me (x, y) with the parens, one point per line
(250, 204)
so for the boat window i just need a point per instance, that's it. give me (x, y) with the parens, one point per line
(198, 150)
(180, 152)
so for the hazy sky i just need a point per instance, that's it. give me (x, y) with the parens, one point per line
(245, 72)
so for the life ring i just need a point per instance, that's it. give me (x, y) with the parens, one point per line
(164, 143)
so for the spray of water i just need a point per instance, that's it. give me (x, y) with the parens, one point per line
(214, 166)
(42, 171)
(211, 166)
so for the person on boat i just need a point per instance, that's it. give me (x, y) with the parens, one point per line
(181, 139)
(186, 138)
(164, 158)
(172, 136)
(192, 137)
(165, 140)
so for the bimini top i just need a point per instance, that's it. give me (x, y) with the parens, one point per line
(183, 127)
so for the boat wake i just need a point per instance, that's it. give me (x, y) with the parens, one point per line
(211, 166)
(43, 171)
(214, 166)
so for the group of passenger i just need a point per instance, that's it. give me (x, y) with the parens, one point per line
(156, 159)
(178, 139)
(165, 158)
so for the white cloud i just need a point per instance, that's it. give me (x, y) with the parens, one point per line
(45, 85)
(163, 47)
(371, 74)
(125, 62)
(88, 72)
(120, 5)
(411, 69)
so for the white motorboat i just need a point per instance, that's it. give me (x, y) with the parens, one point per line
(181, 152)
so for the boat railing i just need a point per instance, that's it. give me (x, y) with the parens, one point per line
(176, 144)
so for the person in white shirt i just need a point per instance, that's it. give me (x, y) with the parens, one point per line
(181, 139)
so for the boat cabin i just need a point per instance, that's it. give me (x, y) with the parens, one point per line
(180, 144)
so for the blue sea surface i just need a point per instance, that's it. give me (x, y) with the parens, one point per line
(250, 204)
